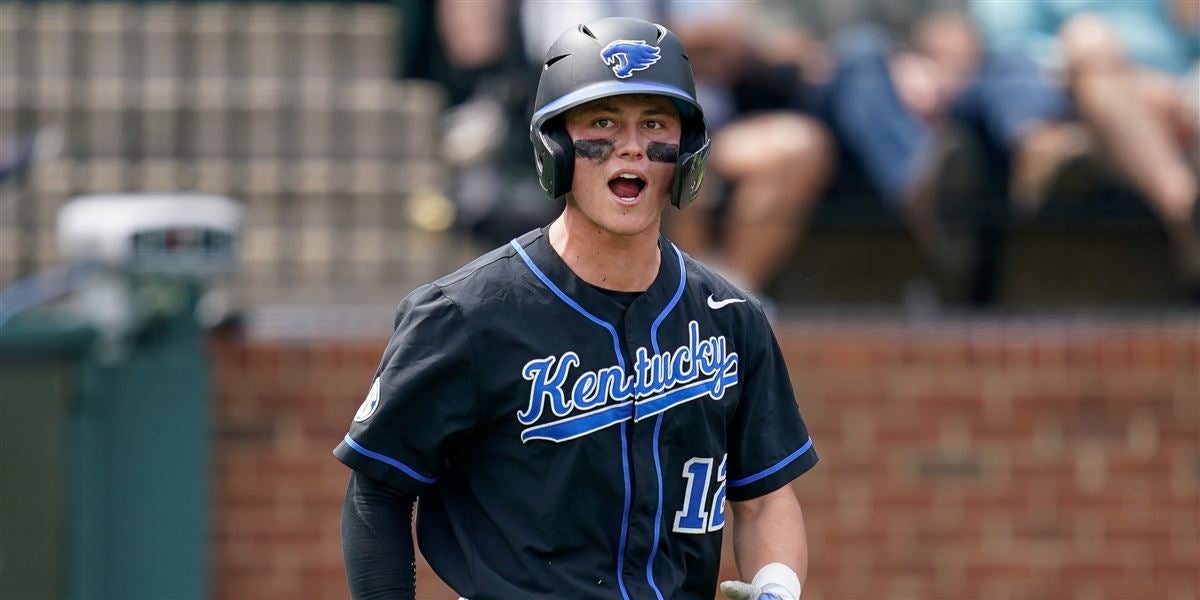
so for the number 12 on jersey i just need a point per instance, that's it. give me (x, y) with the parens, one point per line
(694, 518)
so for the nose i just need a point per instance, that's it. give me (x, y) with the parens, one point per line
(629, 143)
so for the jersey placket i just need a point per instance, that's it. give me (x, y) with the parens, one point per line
(644, 482)
(646, 530)
(642, 506)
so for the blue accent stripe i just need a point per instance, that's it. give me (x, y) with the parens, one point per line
(658, 425)
(581, 425)
(625, 416)
(569, 429)
(624, 516)
(388, 460)
(779, 465)
(675, 397)
(575, 305)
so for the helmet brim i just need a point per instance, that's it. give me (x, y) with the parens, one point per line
(607, 89)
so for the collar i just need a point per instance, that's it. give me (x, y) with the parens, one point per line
(654, 301)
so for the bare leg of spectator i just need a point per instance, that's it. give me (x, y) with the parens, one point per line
(472, 32)
(882, 106)
(778, 164)
(1137, 136)
(1167, 95)
(1041, 152)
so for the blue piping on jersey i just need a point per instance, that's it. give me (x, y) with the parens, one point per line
(779, 465)
(580, 425)
(621, 362)
(670, 305)
(624, 516)
(658, 425)
(657, 512)
(388, 460)
(575, 305)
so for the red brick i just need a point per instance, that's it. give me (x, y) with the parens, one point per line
(919, 435)
(1135, 470)
(898, 500)
(279, 409)
(865, 537)
(1043, 529)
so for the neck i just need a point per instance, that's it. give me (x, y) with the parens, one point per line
(603, 259)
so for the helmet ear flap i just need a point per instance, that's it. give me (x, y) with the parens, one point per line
(689, 174)
(554, 155)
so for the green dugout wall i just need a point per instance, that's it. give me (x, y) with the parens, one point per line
(104, 464)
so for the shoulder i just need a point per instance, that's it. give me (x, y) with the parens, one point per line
(705, 278)
(483, 282)
(452, 298)
(712, 288)
(494, 266)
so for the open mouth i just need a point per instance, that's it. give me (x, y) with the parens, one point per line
(626, 186)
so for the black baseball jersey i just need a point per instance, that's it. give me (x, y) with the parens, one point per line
(565, 446)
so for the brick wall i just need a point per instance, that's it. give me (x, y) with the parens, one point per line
(962, 459)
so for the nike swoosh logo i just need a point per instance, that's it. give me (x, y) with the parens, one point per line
(715, 304)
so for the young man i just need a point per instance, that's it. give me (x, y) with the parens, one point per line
(575, 408)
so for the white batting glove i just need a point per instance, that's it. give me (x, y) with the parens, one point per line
(773, 582)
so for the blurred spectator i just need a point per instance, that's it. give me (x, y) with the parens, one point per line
(892, 102)
(768, 162)
(1131, 67)
(474, 51)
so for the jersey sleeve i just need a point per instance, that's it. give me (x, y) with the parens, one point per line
(768, 442)
(423, 395)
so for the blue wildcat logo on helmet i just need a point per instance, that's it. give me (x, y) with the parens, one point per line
(627, 56)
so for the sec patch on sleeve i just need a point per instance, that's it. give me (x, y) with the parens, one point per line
(370, 404)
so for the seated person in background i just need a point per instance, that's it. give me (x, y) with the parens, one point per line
(768, 159)
(889, 103)
(1131, 68)
(1126, 64)
(472, 50)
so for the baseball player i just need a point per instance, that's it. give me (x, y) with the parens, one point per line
(578, 409)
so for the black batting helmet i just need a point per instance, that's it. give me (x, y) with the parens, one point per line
(610, 57)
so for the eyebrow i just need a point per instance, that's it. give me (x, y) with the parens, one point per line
(608, 108)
